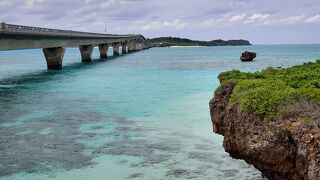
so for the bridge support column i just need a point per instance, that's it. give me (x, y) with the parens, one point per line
(54, 57)
(2, 26)
(134, 45)
(124, 48)
(86, 52)
(138, 46)
(130, 46)
(115, 47)
(103, 50)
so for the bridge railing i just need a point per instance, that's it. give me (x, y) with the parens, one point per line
(48, 31)
(30, 29)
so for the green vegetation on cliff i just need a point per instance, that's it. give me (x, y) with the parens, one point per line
(272, 92)
(174, 41)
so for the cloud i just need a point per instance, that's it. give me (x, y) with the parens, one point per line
(238, 18)
(286, 21)
(257, 18)
(314, 19)
(176, 24)
(4, 2)
(156, 18)
(31, 3)
(113, 4)
(219, 22)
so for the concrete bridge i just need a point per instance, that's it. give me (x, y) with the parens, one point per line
(54, 41)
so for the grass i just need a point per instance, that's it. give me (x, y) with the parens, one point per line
(268, 92)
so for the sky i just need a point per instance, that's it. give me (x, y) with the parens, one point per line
(259, 21)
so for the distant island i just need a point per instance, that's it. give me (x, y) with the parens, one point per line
(175, 41)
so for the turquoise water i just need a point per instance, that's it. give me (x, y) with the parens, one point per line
(143, 115)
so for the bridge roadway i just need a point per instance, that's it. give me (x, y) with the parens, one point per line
(54, 41)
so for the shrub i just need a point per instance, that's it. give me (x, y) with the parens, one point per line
(268, 92)
(233, 75)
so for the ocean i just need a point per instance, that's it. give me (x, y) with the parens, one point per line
(143, 115)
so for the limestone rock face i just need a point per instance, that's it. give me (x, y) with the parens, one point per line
(284, 149)
(248, 56)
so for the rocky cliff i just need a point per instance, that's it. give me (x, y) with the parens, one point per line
(286, 146)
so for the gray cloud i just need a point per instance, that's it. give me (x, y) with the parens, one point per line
(159, 18)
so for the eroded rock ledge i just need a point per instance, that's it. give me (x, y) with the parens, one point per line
(288, 148)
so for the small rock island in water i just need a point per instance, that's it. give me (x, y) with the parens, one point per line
(248, 56)
(271, 119)
(175, 41)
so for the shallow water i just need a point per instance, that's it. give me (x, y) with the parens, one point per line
(144, 115)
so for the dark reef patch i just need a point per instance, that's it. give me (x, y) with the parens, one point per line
(230, 172)
(204, 157)
(185, 173)
(205, 147)
(40, 152)
(136, 175)
(146, 150)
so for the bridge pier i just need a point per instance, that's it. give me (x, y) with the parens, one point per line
(124, 47)
(86, 52)
(130, 46)
(115, 47)
(54, 57)
(134, 46)
(2, 26)
(103, 48)
(138, 46)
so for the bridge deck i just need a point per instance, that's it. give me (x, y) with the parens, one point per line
(54, 41)
(13, 37)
